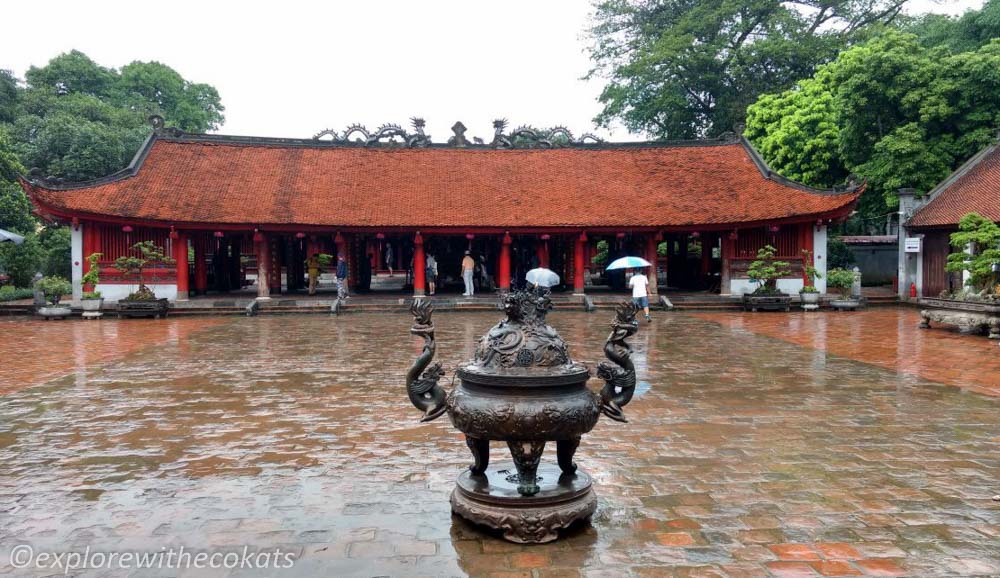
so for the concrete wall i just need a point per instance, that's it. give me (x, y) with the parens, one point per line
(76, 261)
(820, 256)
(877, 262)
(744, 285)
(115, 292)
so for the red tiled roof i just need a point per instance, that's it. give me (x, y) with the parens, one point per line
(973, 188)
(201, 180)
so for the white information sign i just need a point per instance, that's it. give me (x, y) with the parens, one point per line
(911, 245)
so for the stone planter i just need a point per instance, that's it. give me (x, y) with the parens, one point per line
(54, 312)
(92, 308)
(809, 301)
(846, 303)
(155, 308)
(780, 302)
(969, 316)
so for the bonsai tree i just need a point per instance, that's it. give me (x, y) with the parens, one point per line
(982, 238)
(92, 277)
(766, 271)
(53, 288)
(810, 273)
(145, 254)
(841, 280)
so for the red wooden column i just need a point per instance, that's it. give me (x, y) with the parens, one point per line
(651, 244)
(578, 264)
(262, 251)
(181, 256)
(200, 267)
(419, 266)
(503, 273)
(273, 247)
(542, 251)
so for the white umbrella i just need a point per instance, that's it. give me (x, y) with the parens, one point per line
(7, 236)
(628, 263)
(542, 277)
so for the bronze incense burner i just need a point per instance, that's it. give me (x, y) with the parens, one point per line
(523, 388)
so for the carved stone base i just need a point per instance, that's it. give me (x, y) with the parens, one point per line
(493, 500)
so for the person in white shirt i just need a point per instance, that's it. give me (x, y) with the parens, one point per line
(638, 283)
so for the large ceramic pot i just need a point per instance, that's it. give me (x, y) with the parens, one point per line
(767, 302)
(809, 300)
(92, 308)
(845, 303)
(54, 312)
(522, 388)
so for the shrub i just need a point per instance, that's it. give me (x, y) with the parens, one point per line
(54, 287)
(92, 277)
(10, 293)
(982, 236)
(840, 279)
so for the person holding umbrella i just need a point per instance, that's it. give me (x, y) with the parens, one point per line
(639, 283)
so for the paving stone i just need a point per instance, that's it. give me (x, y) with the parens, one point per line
(767, 445)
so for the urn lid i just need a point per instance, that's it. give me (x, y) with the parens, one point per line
(523, 350)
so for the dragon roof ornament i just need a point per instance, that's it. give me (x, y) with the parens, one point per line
(522, 137)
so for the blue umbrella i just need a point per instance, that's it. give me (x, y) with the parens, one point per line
(628, 263)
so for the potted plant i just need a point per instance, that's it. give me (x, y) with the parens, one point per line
(766, 271)
(809, 295)
(53, 288)
(92, 299)
(842, 280)
(143, 301)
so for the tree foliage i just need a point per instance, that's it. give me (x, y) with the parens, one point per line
(890, 110)
(982, 238)
(689, 68)
(77, 120)
(958, 33)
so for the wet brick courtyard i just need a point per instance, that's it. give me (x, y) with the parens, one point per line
(766, 445)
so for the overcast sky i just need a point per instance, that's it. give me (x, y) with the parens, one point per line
(290, 68)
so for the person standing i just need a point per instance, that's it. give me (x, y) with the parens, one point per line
(640, 296)
(388, 258)
(312, 264)
(341, 277)
(468, 270)
(431, 273)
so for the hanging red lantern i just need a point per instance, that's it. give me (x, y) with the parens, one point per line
(546, 237)
(774, 228)
(258, 237)
(620, 235)
(300, 235)
(127, 229)
(470, 236)
(380, 236)
(173, 233)
(695, 235)
(733, 236)
(219, 234)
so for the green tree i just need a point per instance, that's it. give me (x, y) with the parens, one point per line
(78, 120)
(982, 237)
(689, 68)
(890, 110)
(958, 33)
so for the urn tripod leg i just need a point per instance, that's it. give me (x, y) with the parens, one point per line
(480, 449)
(527, 454)
(565, 450)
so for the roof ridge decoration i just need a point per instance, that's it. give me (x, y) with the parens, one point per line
(523, 137)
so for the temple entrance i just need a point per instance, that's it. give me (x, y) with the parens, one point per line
(692, 261)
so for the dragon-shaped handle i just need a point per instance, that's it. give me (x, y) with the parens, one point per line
(422, 386)
(619, 376)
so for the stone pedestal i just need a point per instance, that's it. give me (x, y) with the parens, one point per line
(493, 500)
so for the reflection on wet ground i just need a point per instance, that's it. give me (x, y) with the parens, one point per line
(748, 456)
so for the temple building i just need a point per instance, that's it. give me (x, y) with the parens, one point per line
(244, 213)
(930, 219)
